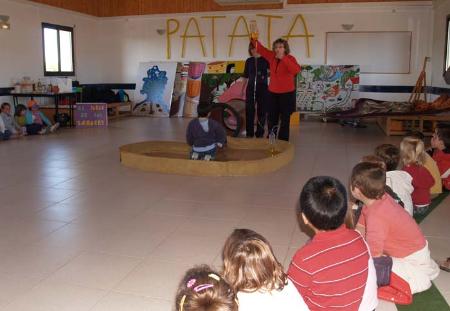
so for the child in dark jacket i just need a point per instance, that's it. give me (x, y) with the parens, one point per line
(441, 153)
(205, 135)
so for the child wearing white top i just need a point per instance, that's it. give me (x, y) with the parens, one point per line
(399, 181)
(251, 269)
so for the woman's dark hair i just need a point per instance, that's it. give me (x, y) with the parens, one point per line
(4, 105)
(323, 201)
(250, 48)
(284, 42)
(203, 109)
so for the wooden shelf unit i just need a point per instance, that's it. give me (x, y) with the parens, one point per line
(400, 125)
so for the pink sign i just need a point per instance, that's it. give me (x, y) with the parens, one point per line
(91, 115)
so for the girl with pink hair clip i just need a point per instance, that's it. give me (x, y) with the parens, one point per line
(203, 289)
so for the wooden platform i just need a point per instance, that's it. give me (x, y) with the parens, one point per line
(400, 125)
(117, 113)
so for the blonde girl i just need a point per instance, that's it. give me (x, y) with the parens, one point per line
(254, 273)
(412, 154)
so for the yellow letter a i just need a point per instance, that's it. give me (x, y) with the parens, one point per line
(186, 36)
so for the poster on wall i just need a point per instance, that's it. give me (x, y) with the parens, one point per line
(154, 87)
(194, 82)
(179, 90)
(327, 88)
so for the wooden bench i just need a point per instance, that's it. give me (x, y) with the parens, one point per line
(400, 125)
(117, 113)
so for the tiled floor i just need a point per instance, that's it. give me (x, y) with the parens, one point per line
(80, 232)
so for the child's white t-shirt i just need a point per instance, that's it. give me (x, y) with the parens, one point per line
(288, 299)
(401, 183)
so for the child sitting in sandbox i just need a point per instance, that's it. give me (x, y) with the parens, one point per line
(205, 135)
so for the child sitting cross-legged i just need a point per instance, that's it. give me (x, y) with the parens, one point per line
(257, 277)
(36, 121)
(9, 121)
(334, 270)
(430, 164)
(203, 289)
(205, 135)
(441, 153)
(389, 230)
(412, 153)
(398, 180)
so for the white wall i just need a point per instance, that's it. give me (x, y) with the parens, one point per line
(441, 10)
(129, 40)
(21, 47)
(108, 50)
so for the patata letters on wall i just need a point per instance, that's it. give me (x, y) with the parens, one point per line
(240, 30)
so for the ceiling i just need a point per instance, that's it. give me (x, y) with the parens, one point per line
(107, 8)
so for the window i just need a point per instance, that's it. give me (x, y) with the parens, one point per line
(57, 42)
(447, 46)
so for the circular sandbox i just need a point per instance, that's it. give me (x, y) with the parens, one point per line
(241, 157)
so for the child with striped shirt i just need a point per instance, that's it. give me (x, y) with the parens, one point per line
(334, 270)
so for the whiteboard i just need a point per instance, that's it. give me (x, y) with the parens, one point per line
(375, 52)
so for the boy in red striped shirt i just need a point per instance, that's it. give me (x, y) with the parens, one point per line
(334, 270)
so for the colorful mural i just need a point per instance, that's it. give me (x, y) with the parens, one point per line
(154, 88)
(194, 83)
(179, 90)
(327, 88)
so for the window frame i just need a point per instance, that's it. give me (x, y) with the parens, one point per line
(59, 72)
(447, 44)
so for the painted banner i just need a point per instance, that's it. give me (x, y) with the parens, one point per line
(91, 115)
(194, 83)
(154, 87)
(327, 88)
(179, 90)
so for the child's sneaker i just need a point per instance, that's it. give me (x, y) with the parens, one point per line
(24, 131)
(43, 131)
(194, 156)
(207, 157)
(54, 127)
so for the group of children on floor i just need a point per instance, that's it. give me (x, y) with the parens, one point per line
(26, 121)
(357, 254)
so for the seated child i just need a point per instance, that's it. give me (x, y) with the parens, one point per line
(9, 121)
(390, 231)
(36, 121)
(203, 289)
(441, 153)
(399, 181)
(20, 118)
(412, 154)
(334, 270)
(256, 276)
(4, 133)
(205, 135)
(430, 164)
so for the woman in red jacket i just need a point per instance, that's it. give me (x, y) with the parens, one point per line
(283, 69)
